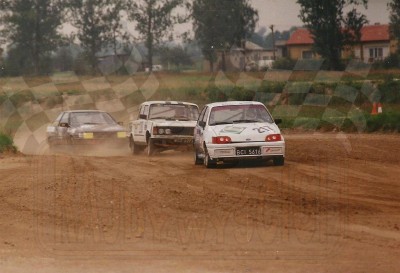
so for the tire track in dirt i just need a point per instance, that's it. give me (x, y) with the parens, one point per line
(324, 198)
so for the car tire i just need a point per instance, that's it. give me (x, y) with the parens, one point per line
(208, 162)
(279, 161)
(197, 160)
(51, 144)
(134, 148)
(150, 147)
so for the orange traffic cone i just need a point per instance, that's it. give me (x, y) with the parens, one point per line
(380, 109)
(374, 110)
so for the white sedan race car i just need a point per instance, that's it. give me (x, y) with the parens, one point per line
(163, 125)
(237, 130)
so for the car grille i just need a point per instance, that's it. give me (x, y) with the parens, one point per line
(180, 131)
(104, 135)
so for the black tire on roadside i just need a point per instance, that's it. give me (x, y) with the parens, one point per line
(279, 161)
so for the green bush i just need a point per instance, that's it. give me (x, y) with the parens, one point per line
(390, 91)
(308, 65)
(271, 87)
(284, 63)
(392, 61)
(6, 143)
(388, 122)
(215, 94)
(241, 94)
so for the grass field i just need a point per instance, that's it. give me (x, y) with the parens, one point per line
(303, 99)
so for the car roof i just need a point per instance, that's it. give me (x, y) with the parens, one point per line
(168, 102)
(227, 103)
(83, 111)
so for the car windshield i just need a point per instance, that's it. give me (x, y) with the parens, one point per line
(173, 112)
(230, 114)
(81, 118)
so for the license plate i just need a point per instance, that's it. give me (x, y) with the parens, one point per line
(184, 141)
(248, 151)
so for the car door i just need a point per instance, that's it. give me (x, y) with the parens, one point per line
(199, 129)
(134, 124)
(62, 128)
(52, 129)
(140, 125)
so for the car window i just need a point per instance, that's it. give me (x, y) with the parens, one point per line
(141, 110)
(173, 112)
(57, 121)
(207, 110)
(64, 118)
(91, 118)
(146, 110)
(229, 114)
(203, 111)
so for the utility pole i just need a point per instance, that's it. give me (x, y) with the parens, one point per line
(273, 41)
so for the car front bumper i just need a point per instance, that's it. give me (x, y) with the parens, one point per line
(254, 150)
(172, 140)
(108, 138)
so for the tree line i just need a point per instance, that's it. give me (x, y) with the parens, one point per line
(32, 29)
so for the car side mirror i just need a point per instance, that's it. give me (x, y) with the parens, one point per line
(120, 123)
(143, 116)
(202, 123)
(278, 121)
(64, 125)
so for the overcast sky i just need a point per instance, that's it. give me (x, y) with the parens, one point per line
(284, 13)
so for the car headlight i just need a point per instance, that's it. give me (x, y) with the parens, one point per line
(86, 135)
(161, 131)
(167, 131)
(121, 134)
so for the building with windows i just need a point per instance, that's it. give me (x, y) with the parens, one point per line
(299, 45)
(250, 56)
(375, 45)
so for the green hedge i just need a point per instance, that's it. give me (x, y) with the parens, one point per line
(385, 122)
(6, 143)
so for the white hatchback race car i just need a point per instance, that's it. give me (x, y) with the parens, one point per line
(237, 130)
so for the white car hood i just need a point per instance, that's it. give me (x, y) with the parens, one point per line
(242, 132)
(174, 123)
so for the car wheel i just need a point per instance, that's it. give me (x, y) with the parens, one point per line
(53, 148)
(197, 160)
(208, 162)
(134, 148)
(279, 161)
(51, 144)
(150, 147)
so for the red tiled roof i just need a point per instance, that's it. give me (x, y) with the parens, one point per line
(372, 33)
(375, 33)
(300, 36)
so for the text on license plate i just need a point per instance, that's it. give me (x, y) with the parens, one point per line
(184, 141)
(248, 151)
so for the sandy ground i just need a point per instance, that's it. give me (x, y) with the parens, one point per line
(333, 207)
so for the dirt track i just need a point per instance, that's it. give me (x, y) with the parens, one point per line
(334, 207)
